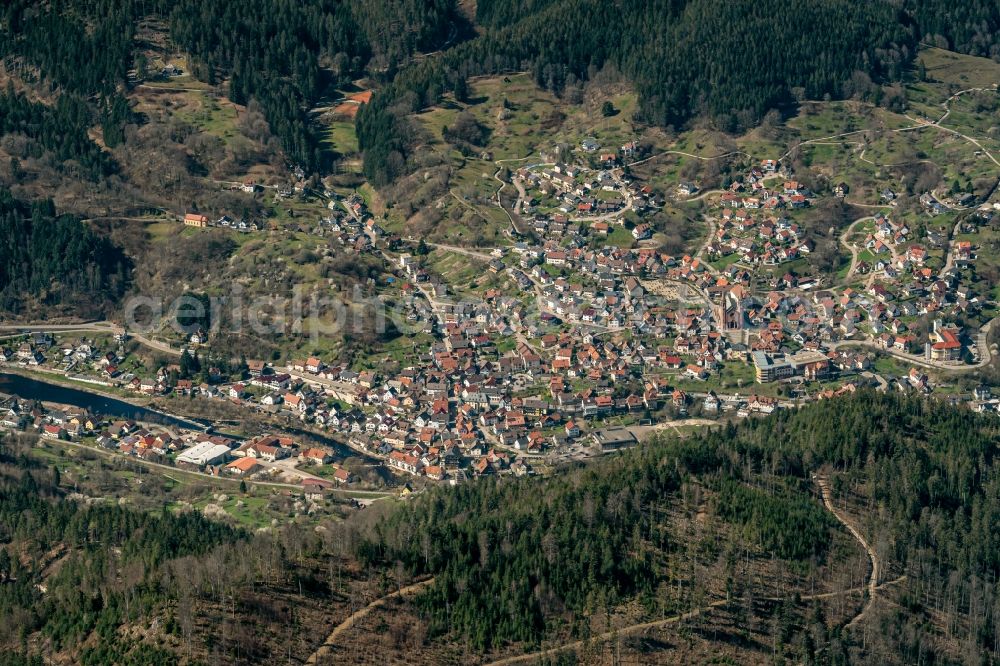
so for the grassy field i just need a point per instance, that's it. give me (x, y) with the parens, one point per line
(527, 124)
(217, 117)
(342, 137)
(619, 236)
(944, 69)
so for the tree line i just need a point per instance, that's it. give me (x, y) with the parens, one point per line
(54, 258)
(516, 560)
(110, 558)
(730, 62)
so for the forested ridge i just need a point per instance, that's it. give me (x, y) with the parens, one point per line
(730, 62)
(108, 554)
(55, 258)
(515, 560)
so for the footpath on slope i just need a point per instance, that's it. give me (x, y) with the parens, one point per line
(327, 647)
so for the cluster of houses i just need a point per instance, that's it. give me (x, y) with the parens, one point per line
(17, 414)
(582, 192)
(503, 382)
(813, 321)
(757, 240)
(197, 451)
(751, 224)
(212, 454)
(200, 221)
(29, 353)
(358, 233)
(753, 191)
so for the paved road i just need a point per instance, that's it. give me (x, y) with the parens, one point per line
(146, 86)
(156, 344)
(700, 254)
(540, 656)
(947, 106)
(919, 124)
(820, 140)
(985, 353)
(483, 256)
(642, 432)
(58, 328)
(853, 250)
(699, 197)
(469, 206)
(93, 326)
(949, 258)
(521, 196)
(169, 469)
(503, 184)
(286, 467)
(697, 157)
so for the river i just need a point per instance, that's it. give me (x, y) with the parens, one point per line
(36, 389)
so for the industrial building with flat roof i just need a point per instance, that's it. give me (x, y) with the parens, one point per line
(204, 453)
(610, 439)
(769, 369)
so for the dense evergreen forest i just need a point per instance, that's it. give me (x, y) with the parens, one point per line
(54, 258)
(513, 560)
(970, 26)
(82, 48)
(107, 554)
(730, 62)
(59, 131)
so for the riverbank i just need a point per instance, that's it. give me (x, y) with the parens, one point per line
(57, 377)
(54, 389)
(57, 389)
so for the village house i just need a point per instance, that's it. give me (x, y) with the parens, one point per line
(195, 220)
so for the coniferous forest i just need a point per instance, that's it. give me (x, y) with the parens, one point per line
(517, 562)
(55, 258)
(728, 62)
(505, 554)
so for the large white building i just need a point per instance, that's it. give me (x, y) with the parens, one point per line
(204, 453)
